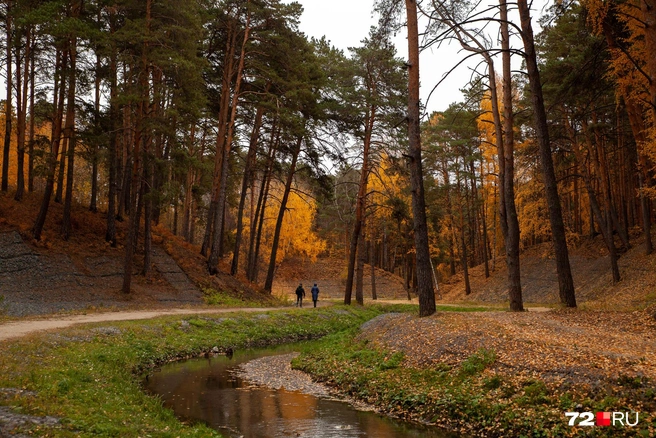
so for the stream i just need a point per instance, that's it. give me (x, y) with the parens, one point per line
(208, 390)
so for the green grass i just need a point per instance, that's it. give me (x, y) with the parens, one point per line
(90, 376)
(477, 362)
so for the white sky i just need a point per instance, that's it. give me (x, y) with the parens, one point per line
(346, 22)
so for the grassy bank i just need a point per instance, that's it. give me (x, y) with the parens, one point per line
(470, 399)
(90, 376)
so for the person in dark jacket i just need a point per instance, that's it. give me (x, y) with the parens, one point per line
(300, 294)
(315, 294)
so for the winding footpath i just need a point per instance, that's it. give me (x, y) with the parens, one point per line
(22, 328)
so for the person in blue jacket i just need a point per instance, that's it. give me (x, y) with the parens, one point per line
(315, 294)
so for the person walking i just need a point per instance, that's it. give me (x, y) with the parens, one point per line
(315, 294)
(300, 294)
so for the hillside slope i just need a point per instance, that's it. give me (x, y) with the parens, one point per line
(85, 272)
(590, 269)
(589, 262)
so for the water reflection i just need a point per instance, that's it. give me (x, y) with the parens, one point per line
(205, 390)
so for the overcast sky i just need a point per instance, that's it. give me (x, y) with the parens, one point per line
(346, 22)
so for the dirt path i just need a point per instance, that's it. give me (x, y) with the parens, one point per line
(26, 327)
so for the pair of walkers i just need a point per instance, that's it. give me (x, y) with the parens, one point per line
(300, 294)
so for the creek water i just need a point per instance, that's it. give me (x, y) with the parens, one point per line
(207, 390)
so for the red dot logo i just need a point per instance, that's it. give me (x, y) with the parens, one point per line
(603, 419)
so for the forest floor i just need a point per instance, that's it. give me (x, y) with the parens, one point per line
(497, 373)
(561, 347)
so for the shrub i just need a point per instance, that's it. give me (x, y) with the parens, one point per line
(477, 362)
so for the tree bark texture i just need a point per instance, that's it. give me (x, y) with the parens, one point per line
(565, 281)
(424, 279)
(512, 236)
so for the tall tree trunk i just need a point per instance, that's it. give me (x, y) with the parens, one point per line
(209, 224)
(124, 159)
(424, 278)
(258, 217)
(601, 166)
(137, 165)
(69, 132)
(463, 258)
(463, 241)
(59, 192)
(360, 204)
(255, 260)
(372, 262)
(268, 284)
(223, 120)
(248, 175)
(93, 203)
(565, 281)
(114, 111)
(30, 164)
(606, 228)
(8, 109)
(484, 242)
(451, 224)
(512, 236)
(359, 278)
(160, 148)
(638, 130)
(213, 261)
(21, 112)
(58, 115)
(594, 204)
(148, 213)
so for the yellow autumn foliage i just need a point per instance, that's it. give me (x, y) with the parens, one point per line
(297, 236)
(385, 184)
(630, 65)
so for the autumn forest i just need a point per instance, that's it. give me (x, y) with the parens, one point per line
(222, 122)
(279, 233)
